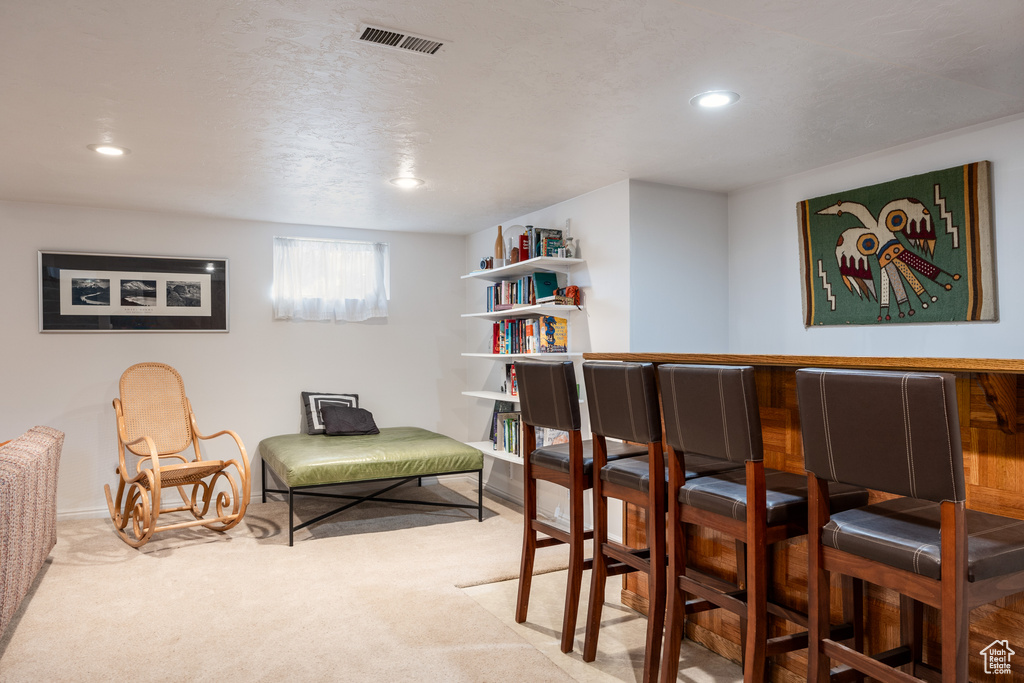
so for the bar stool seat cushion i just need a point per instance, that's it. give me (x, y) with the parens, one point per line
(904, 533)
(785, 495)
(556, 457)
(633, 473)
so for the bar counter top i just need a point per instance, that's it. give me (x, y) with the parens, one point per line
(1013, 366)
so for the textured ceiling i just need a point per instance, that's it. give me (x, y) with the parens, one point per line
(271, 110)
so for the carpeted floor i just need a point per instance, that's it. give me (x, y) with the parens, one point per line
(373, 594)
(620, 652)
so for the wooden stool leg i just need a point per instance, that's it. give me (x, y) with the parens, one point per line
(818, 625)
(741, 582)
(757, 614)
(575, 578)
(757, 574)
(954, 616)
(675, 608)
(599, 573)
(529, 544)
(656, 589)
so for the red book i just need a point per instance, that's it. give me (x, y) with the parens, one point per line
(494, 341)
(524, 247)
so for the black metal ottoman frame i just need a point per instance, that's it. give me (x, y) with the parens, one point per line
(293, 491)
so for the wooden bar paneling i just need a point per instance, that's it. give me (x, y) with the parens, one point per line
(990, 411)
(1014, 366)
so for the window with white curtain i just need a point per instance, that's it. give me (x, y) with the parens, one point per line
(331, 279)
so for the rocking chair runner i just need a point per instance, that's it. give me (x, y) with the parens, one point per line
(156, 423)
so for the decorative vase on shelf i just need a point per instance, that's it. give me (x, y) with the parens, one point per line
(499, 250)
(571, 248)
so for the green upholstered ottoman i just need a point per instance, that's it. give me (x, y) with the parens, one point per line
(397, 455)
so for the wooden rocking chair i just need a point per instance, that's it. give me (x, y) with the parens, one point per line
(155, 422)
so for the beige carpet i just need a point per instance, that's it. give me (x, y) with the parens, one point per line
(369, 595)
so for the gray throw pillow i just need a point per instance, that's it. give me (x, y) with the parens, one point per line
(313, 403)
(344, 421)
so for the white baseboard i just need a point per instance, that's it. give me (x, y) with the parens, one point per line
(104, 513)
(256, 496)
(555, 515)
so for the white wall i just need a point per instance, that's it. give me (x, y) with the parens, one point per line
(764, 266)
(679, 269)
(600, 221)
(407, 370)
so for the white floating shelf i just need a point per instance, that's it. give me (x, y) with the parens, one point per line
(487, 448)
(527, 267)
(526, 311)
(492, 396)
(519, 356)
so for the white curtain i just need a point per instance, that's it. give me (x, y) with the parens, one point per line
(330, 279)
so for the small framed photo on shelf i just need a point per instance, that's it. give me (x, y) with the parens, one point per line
(81, 292)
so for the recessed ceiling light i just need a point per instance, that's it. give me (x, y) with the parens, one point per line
(110, 150)
(714, 98)
(406, 183)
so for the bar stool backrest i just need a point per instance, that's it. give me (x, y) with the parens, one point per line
(897, 432)
(623, 401)
(711, 410)
(547, 394)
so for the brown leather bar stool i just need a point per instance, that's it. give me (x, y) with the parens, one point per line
(899, 433)
(711, 412)
(623, 403)
(548, 398)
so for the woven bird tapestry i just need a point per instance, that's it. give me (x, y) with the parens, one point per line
(913, 250)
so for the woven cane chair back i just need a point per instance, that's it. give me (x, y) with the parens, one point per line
(154, 405)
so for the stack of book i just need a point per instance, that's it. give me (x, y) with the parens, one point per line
(508, 438)
(533, 289)
(547, 334)
(543, 241)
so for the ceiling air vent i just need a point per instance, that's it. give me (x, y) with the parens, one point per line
(399, 40)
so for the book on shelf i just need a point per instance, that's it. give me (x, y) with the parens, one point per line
(554, 334)
(508, 432)
(499, 407)
(547, 242)
(551, 437)
(523, 291)
(511, 386)
(516, 335)
(532, 333)
(545, 285)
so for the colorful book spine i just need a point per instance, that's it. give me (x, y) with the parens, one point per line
(554, 334)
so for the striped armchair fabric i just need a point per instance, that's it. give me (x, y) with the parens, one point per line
(28, 512)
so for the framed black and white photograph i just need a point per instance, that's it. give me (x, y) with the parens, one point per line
(81, 292)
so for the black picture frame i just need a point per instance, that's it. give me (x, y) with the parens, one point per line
(84, 292)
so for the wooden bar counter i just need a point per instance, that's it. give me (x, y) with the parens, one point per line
(990, 393)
